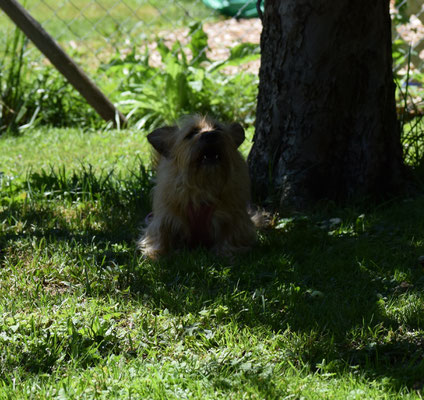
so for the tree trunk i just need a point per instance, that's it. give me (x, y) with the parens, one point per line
(326, 124)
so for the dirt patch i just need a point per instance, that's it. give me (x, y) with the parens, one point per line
(222, 36)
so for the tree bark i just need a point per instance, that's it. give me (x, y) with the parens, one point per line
(326, 124)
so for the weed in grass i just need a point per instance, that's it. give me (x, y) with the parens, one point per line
(12, 85)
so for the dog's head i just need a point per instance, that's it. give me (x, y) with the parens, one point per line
(199, 147)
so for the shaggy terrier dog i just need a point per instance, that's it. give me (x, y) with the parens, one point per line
(202, 190)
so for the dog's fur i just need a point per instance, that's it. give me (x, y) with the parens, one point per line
(202, 190)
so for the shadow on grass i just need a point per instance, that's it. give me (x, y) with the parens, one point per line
(333, 293)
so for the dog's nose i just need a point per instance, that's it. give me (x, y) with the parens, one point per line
(209, 136)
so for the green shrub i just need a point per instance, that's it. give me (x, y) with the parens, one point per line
(151, 96)
(33, 93)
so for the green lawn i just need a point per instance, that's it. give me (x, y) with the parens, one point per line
(43, 148)
(89, 22)
(321, 308)
(92, 32)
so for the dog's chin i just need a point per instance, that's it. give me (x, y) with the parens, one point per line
(211, 170)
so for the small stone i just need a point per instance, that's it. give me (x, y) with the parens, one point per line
(330, 224)
(335, 221)
(316, 294)
(403, 287)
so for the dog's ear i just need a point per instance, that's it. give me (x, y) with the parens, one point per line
(162, 139)
(237, 133)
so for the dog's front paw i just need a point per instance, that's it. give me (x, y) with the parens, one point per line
(149, 248)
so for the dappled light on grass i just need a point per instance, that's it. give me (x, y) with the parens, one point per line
(301, 299)
(326, 302)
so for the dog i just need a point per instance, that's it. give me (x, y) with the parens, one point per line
(202, 190)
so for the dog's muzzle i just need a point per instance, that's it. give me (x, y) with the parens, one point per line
(210, 147)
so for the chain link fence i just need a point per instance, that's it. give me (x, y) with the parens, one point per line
(95, 32)
(408, 23)
(408, 46)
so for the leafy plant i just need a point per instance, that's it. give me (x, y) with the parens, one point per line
(13, 102)
(410, 111)
(59, 103)
(185, 83)
(401, 16)
(38, 94)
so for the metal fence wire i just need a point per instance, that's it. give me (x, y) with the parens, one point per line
(94, 31)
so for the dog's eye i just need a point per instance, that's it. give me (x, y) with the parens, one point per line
(192, 132)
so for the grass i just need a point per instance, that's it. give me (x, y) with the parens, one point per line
(93, 32)
(327, 305)
(73, 147)
(89, 20)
